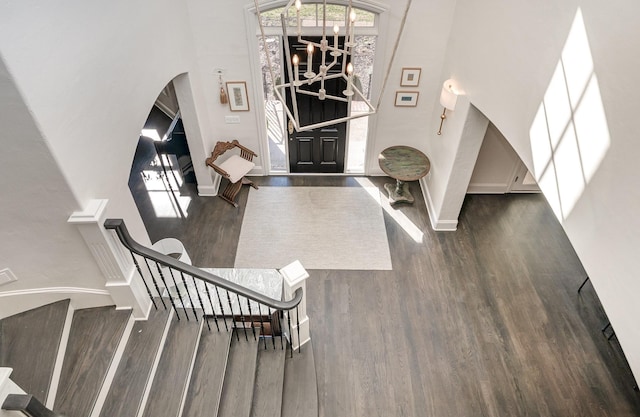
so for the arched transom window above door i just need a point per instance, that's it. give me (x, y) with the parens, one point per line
(311, 16)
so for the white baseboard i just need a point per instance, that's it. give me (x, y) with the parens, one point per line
(438, 225)
(487, 188)
(113, 367)
(192, 365)
(17, 301)
(445, 226)
(207, 190)
(154, 367)
(57, 367)
(257, 171)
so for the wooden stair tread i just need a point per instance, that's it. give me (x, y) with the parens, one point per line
(300, 396)
(29, 343)
(237, 390)
(267, 391)
(132, 376)
(203, 396)
(174, 369)
(93, 339)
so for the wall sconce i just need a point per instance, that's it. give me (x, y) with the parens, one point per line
(448, 98)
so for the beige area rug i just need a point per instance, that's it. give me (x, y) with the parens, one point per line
(322, 227)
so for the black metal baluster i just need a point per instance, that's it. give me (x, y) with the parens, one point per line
(242, 318)
(178, 292)
(204, 315)
(213, 312)
(186, 287)
(233, 320)
(298, 328)
(278, 316)
(583, 284)
(195, 285)
(155, 283)
(221, 308)
(290, 332)
(168, 292)
(135, 262)
(253, 330)
(264, 336)
(272, 326)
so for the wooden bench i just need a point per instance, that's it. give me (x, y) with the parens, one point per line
(233, 168)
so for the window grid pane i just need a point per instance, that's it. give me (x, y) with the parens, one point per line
(311, 16)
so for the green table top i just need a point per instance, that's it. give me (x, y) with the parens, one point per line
(404, 163)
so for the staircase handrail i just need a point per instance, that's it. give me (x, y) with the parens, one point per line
(28, 405)
(119, 226)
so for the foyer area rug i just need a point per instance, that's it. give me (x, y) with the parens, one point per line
(322, 227)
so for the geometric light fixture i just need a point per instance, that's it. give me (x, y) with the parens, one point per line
(448, 99)
(311, 83)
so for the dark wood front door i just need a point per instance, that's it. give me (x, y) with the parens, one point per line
(322, 149)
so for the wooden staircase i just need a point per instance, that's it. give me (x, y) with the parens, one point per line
(99, 362)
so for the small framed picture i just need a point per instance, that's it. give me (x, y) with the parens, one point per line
(410, 77)
(406, 98)
(238, 100)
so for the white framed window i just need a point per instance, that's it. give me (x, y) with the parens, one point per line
(311, 15)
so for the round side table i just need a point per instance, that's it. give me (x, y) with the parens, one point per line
(402, 163)
(173, 247)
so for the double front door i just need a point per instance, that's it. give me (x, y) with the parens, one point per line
(321, 149)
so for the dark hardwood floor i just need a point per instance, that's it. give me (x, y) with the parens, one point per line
(484, 321)
(33, 331)
(93, 340)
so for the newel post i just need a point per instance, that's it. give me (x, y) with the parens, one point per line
(115, 262)
(295, 276)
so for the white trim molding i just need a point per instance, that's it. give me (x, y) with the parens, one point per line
(487, 188)
(209, 190)
(371, 6)
(17, 301)
(115, 262)
(438, 225)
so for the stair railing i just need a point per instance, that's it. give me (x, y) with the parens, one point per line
(28, 405)
(211, 296)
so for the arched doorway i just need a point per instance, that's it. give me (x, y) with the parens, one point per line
(162, 179)
(499, 169)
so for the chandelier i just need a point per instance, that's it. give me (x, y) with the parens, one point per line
(330, 67)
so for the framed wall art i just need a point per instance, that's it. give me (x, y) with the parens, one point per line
(410, 77)
(237, 92)
(406, 98)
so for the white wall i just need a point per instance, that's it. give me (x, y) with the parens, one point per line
(78, 81)
(220, 41)
(418, 48)
(453, 157)
(504, 55)
(37, 244)
(89, 73)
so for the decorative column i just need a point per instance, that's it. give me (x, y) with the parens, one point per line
(114, 260)
(295, 276)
